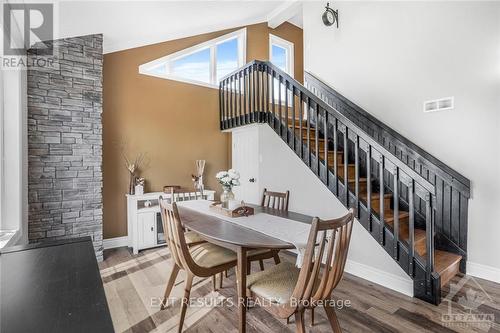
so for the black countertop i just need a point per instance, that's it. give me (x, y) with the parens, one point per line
(52, 287)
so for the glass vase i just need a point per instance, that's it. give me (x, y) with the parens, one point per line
(226, 196)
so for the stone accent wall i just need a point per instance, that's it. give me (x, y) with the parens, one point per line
(65, 143)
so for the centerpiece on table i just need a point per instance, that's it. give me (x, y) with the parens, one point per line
(227, 179)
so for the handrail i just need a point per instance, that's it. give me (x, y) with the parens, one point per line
(343, 119)
(447, 172)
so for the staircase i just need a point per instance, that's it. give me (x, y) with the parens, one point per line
(396, 198)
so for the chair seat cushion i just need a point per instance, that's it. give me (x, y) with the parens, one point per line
(210, 255)
(276, 283)
(192, 238)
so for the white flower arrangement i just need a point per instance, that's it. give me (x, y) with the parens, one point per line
(228, 178)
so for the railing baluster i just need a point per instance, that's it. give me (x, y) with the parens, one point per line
(369, 186)
(228, 115)
(258, 93)
(267, 94)
(396, 212)
(316, 137)
(308, 121)
(411, 227)
(301, 110)
(325, 136)
(240, 98)
(293, 121)
(221, 109)
(335, 156)
(346, 163)
(252, 76)
(279, 107)
(245, 97)
(356, 173)
(429, 230)
(381, 201)
(273, 74)
(286, 113)
(231, 101)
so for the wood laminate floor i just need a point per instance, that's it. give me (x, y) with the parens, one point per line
(134, 287)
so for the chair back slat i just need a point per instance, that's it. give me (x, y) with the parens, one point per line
(275, 200)
(176, 240)
(179, 194)
(313, 276)
(327, 239)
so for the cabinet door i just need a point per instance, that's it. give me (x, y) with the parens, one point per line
(147, 229)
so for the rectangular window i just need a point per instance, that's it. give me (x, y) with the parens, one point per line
(195, 66)
(203, 64)
(226, 58)
(281, 55)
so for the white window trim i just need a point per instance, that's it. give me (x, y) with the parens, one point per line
(240, 35)
(287, 45)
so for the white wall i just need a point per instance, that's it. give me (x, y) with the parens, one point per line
(389, 57)
(280, 170)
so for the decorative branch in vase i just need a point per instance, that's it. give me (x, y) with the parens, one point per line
(132, 169)
(227, 179)
(198, 177)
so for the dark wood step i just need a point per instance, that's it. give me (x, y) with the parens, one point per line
(363, 183)
(375, 200)
(404, 234)
(447, 265)
(340, 156)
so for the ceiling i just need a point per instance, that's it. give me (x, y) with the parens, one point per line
(128, 24)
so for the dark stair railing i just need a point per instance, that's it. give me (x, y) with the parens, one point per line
(328, 141)
(452, 188)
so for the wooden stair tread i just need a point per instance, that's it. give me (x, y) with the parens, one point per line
(447, 265)
(375, 196)
(353, 181)
(445, 259)
(304, 126)
(389, 216)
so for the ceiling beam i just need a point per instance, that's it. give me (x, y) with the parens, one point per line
(283, 12)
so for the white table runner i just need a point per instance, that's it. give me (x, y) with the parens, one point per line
(287, 230)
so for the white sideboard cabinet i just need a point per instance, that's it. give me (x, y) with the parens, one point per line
(144, 226)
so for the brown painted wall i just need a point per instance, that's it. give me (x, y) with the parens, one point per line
(173, 122)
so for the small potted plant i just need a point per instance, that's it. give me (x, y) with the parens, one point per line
(227, 179)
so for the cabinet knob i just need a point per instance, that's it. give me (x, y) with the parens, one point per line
(152, 229)
(252, 180)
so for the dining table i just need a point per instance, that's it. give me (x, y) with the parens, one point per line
(240, 239)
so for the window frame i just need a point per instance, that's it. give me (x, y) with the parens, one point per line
(288, 46)
(240, 35)
(290, 61)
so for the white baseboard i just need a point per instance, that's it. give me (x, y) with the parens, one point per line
(380, 277)
(483, 271)
(112, 243)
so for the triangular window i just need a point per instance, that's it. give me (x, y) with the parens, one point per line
(203, 64)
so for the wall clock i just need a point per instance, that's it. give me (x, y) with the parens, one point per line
(330, 16)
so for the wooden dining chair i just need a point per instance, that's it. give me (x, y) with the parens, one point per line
(202, 260)
(178, 194)
(286, 290)
(275, 200)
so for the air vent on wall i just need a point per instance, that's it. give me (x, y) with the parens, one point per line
(441, 104)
